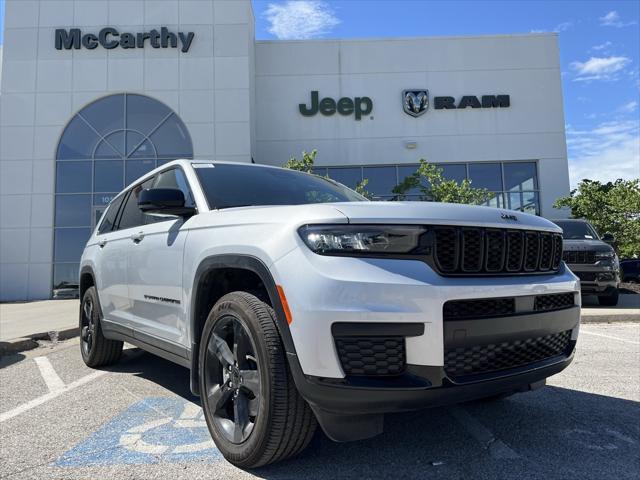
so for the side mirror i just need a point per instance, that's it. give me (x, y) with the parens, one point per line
(166, 201)
(608, 238)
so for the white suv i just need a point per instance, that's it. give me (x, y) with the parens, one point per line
(294, 301)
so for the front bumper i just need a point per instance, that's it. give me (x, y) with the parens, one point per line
(596, 280)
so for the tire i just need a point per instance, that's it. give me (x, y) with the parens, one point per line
(609, 300)
(96, 350)
(252, 424)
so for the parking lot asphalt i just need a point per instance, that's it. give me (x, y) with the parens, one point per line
(60, 419)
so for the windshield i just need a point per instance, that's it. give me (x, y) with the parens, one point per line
(228, 185)
(577, 230)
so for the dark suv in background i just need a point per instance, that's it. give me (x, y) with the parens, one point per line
(592, 259)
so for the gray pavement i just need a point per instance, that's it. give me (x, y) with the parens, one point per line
(60, 419)
(26, 319)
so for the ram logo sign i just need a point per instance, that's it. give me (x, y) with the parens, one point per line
(415, 102)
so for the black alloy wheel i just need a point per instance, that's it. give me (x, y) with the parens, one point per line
(232, 379)
(87, 325)
(95, 348)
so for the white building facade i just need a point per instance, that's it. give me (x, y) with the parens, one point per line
(94, 93)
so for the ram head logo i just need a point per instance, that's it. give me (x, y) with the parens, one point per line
(415, 102)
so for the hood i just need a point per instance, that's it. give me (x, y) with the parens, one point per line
(433, 213)
(586, 244)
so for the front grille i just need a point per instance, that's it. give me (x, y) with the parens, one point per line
(494, 357)
(579, 256)
(378, 356)
(586, 276)
(556, 301)
(500, 307)
(469, 251)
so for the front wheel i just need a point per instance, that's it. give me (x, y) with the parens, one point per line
(253, 410)
(610, 300)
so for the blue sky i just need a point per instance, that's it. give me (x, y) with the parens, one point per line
(599, 51)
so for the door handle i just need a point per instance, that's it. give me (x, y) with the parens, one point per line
(102, 243)
(137, 237)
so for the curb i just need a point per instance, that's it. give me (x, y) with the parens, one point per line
(627, 318)
(22, 344)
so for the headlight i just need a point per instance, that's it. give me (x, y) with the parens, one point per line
(605, 255)
(365, 240)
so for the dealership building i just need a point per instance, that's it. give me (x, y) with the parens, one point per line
(96, 93)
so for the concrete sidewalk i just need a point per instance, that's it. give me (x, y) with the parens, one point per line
(627, 310)
(23, 323)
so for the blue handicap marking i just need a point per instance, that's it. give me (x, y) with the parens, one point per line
(154, 430)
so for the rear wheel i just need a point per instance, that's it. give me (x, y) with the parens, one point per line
(253, 410)
(610, 300)
(96, 350)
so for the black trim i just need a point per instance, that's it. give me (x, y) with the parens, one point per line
(358, 329)
(162, 348)
(244, 262)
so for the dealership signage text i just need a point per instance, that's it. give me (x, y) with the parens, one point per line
(357, 106)
(110, 37)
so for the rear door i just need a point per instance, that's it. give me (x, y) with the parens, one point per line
(155, 260)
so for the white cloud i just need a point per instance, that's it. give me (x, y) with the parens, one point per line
(605, 153)
(602, 46)
(599, 68)
(629, 107)
(300, 19)
(612, 19)
(563, 27)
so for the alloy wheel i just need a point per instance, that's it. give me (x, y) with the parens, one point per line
(87, 332)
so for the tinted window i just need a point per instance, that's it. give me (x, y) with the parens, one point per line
(346, 176)
(132, 216)
(520, 176)
(110, 216)
(576, 230)
(455, 172)
(108, 176)
(70, 243)
(381, 179)
(227, 185)
(65, 275)
(405, 171)
(73, 177)
(73, 211)
(175, 178)
(486, 175)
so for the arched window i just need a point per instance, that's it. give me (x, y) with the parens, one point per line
(106, 145)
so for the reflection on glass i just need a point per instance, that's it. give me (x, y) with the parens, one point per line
(73, 211)
(406, 170)
(65, 275)
(77, 142)
(106, 114)
(520, 176)
(69, 243)
(381, 179)
(137, 168)
(349, 177)
(73, 177)
(108, 176)
(103, 198)
(319, 171)
(457, 172)
(486, 175)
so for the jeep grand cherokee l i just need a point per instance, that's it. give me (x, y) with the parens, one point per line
(294, 301)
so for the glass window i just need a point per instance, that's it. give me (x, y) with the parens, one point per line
(73, 177)
(104, 198)
(381, 179)
(132, 216)
(110, 217)
(65, 275)
(496, 200)
(172, 140)
(175, 178)
(106, 114)
(108, 176)
(523, 201)
(576, 230)
(70, 243)
(319, 171)
(520, 176)
(406, 170)
(139, 147)
(73, 211)
(112, 146)
(137, 168)
(77, 141)
(346, 176)
(486, 175)
(228, 185)
(457, 172)
(145, 114)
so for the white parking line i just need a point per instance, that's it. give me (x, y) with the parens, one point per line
(582, 330)
(497, 449)
(49, 375)
(49, 396)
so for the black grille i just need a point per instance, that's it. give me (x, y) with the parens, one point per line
(371, 355)
(555, 301)
(486, 307)
(586, 276)
(579, 256)
(470, 251)
(482, 359)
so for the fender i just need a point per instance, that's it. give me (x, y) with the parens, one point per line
(245, 262)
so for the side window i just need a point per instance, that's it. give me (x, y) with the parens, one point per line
(175, 178)
(109, 218)
(132, 216)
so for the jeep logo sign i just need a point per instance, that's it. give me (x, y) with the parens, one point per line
(110, 38)
(358, 106)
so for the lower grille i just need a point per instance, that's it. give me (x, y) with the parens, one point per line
(556, 301)
(586, 276)
(371, 355)
(500, 307)
(482, 359)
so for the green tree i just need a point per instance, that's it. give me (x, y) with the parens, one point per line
(612, 207)
(431, 185)
(306, 165)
